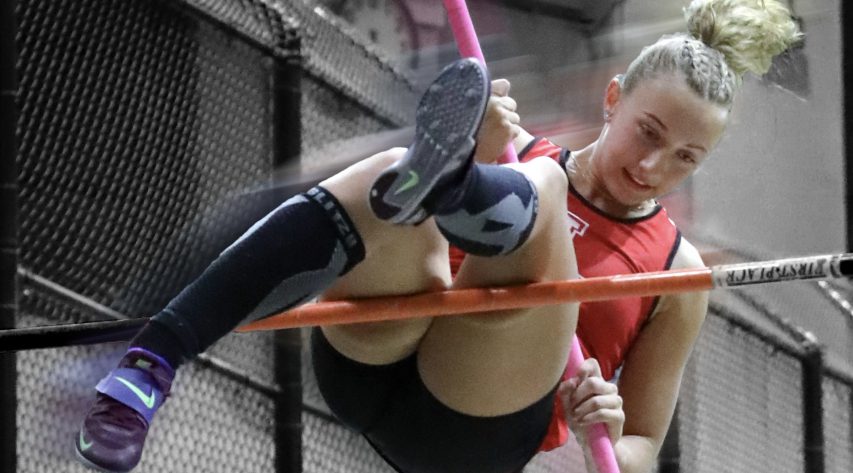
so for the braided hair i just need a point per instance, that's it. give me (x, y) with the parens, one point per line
(724, 40)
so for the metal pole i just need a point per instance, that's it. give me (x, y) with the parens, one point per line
(8, 230)
(847, 84)
(287, 141)
(813, 442)
(68, 335)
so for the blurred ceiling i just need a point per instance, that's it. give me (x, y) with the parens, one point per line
(583, 11)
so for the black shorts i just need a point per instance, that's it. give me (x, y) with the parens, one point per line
(412, 430)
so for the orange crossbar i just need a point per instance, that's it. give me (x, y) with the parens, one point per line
(461, 301)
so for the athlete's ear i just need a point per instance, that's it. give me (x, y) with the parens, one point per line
(612, 96)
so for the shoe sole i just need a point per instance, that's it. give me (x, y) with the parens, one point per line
(446, 124)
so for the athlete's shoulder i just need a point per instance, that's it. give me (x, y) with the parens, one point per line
(538, 146)
(684, 311)
(687, 256)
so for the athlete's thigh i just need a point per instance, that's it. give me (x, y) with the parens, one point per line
(496, 363)
(399, 259)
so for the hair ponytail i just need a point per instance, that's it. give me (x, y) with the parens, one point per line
(749, 33)
(725, 39)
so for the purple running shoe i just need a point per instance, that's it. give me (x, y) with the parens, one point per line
(446, 124)
(113, 432)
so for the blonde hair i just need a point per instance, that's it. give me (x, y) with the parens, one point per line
(725, 39)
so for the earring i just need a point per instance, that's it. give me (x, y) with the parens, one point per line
(607, 115)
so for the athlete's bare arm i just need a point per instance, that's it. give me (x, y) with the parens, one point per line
(652, 372)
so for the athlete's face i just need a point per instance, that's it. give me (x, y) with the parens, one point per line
(655, 137)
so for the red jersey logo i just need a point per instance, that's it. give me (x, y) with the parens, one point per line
(577, 226)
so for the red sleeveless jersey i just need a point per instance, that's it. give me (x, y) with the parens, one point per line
(605, 246)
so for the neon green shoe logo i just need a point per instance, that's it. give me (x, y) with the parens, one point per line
(148, 400)
(84, 445)
(412, 182)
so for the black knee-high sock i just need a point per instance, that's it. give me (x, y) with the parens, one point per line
(491, 212)
(287, 258)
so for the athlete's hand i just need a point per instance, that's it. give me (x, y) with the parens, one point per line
(500, 124)
(588, 399)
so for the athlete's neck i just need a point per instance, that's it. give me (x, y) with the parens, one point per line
(586, 182)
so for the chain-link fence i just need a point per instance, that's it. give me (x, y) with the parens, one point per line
(140, 129)
(145, 130)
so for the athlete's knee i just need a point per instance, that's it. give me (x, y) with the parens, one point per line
(548, 177)
(353, 182)
(389, 156)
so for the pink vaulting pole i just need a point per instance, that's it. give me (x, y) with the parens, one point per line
(597, 437)
(469, 46)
